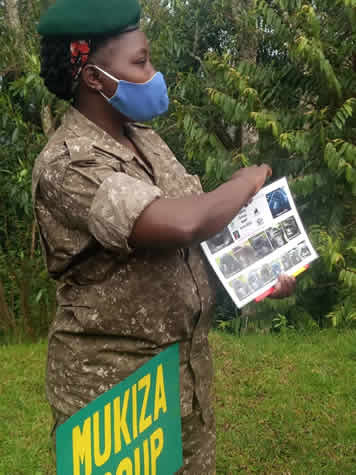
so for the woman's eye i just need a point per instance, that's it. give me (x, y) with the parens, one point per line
(141, 61)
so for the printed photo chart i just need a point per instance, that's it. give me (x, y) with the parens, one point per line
(265, 239)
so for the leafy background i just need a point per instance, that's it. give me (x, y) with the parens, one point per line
(250, 82)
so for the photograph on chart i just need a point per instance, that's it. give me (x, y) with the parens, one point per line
(290, 228)
(261, 245)
(276, 236)
(304, 250)
(286, 261)
(245, 255)
(229, 265)
(278, 202)
(276, 267)
(220, 241)
(255, 280)
(291, 258)
(241, 288)
(266, 273)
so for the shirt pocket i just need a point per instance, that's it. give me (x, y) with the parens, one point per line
(137, 169)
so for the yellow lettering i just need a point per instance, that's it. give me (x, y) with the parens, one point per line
(137, 461)
(120, 424)
(157, 443)
(145, 422)
(134, 411)
(146, 457)
(125, 467)
(101, 458)
(160, 394)
(81, 441)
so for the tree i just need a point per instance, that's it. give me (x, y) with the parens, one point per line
(26, 296)
(300, 96)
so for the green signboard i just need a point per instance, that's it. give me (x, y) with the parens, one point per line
(133, 429)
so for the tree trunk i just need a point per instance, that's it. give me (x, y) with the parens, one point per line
(7, 320)
(12, 14)
(33, 240)
(13, 19)
(248, 54)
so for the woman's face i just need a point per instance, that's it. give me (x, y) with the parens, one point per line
(125, 57)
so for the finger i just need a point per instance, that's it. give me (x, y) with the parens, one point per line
(279, 286)
(267, 168)
(287, 285)
(265, 171)
(277, 291)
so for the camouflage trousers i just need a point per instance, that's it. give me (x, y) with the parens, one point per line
(199, 443)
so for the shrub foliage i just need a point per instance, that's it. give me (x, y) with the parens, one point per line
(250, 82)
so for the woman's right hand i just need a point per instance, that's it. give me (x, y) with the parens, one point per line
(254, 177)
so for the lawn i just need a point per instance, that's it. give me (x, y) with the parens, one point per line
(285, 405)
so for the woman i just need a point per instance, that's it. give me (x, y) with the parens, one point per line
(121, 222)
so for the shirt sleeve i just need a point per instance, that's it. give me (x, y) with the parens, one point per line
(116, 206)
(95, 199)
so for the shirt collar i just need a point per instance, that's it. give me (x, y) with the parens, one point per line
(81, 126)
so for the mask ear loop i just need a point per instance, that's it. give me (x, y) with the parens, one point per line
(109, 76)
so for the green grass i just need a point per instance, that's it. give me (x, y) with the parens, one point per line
(285, 405)
(25, 417)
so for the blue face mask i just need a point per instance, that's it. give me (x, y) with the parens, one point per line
(139, 101)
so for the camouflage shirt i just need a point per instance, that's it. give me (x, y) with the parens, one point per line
(117, 306)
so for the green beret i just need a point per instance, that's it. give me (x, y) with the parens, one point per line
(82, 19)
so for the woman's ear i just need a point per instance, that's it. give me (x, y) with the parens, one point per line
(92, 78)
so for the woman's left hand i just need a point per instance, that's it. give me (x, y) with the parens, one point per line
(285, 287)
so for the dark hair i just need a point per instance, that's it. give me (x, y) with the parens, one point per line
(56, 68)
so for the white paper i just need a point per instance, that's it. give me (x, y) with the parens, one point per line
(265, 239)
